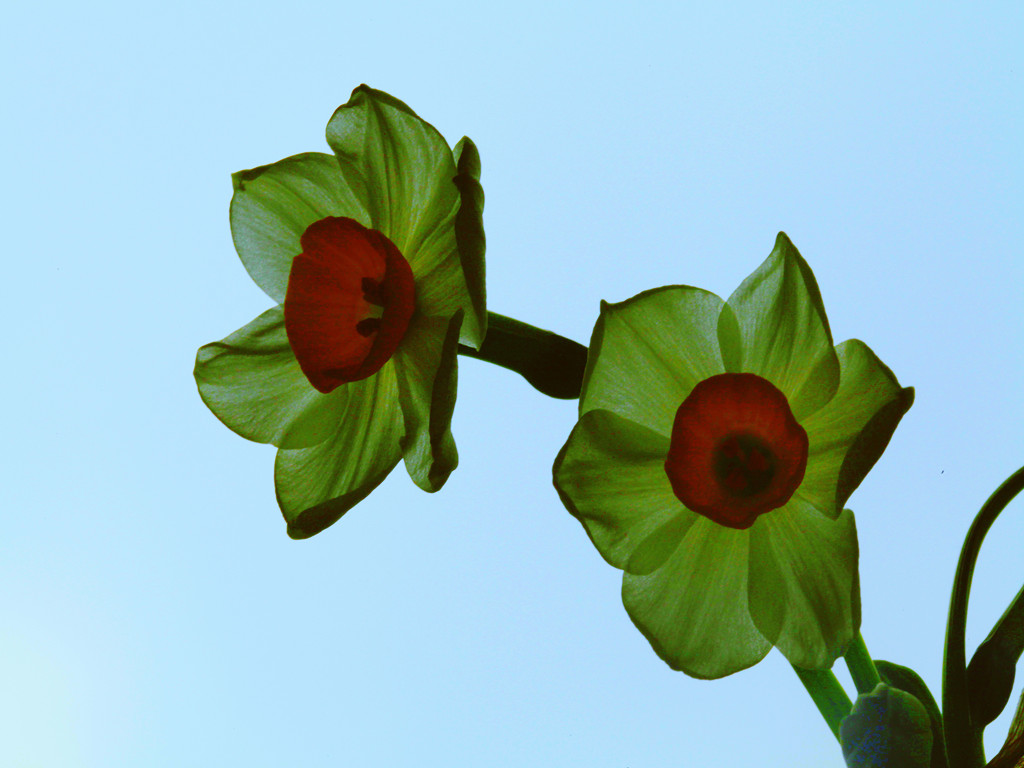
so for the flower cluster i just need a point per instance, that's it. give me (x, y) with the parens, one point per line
(717, 444)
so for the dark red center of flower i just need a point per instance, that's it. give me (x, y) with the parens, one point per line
(736, 450)
(349, 302)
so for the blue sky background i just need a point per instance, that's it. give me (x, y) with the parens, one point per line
(154, 613)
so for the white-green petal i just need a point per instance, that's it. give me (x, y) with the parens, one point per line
(648, 352)
(784, 330)
(427, 373)
(271, 207)
(403, 172)
(611, 476)
(658, 546)
(693, 610)
(804, 591)
(849, 434)
(317, 485)
(252, 382)
(440, 293)
(397, 164)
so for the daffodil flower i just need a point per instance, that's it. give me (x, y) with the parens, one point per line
(717, 445)
(374, 256)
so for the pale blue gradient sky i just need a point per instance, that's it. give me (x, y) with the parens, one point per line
(153, 613)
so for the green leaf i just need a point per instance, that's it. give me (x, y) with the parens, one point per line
(693, 609)
(888, 728)
(253, 384)
(271, 207)
(648, 352)
(469, 235)
(804, 592)
(993, 666)
(1011, 755)
(426, 366)
(848, 435)
(964, 742)
(610, 475)
(908, 680)
(784, 330)
(317, 485)
(990, 677)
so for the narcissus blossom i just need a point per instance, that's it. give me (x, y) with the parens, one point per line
(374, 256)
(716, 447)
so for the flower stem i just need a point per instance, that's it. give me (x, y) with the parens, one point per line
(828, 695)
(553, 364)
(964, 746)
(862, 668)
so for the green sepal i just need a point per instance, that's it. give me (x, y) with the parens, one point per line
(610, 475)
(804, 587)
(319, 517)
(469, 231)
(850, 432)
(636, 366)
(908, 680)
(426, 365)
(403, 171)
(693, 609)
(252, 382)
(392, 160)
(272, 206)
(784, 330)
(659, 545)
(871, 443)
(317, 485)
(888, 728)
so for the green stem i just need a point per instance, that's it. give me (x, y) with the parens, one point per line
(862, 668)
(828, 695)
(964, 746)
(553, 364)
